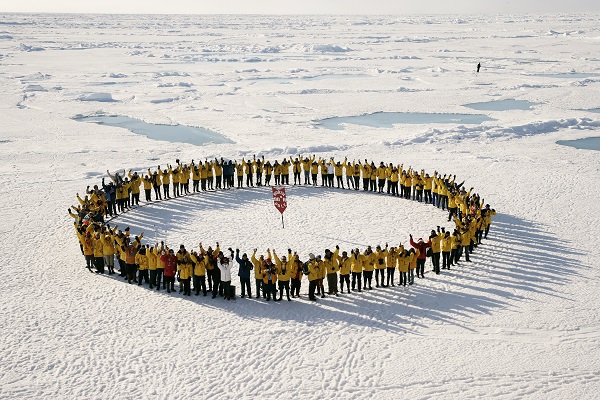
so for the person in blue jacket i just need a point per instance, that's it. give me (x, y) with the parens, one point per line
(110, 193)
(244, 272)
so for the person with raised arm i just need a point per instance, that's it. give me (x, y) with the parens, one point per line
(421, 246)
(313, 271)
(142, 265)
(199, 261)
(270, 277)
(306, 168)
(285, 172)
(165, 178)
(258, 274)
(331, 264)
(224, 265)
(368, 258)
(245, 266)
(268, 172)
(297, 169)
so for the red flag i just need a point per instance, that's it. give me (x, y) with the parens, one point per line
(279, 199)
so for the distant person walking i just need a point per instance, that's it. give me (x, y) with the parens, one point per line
(478, 67)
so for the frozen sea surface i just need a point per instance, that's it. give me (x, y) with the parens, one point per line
(519, 321)
(502, 105)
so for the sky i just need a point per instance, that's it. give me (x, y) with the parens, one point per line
(377, 7)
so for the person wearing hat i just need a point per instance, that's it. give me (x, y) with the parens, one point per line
(258, 273)
(152, 255)
(245, 266)
(422, 255)
(412, 264)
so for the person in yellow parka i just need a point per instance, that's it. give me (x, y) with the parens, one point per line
(404, 259)
(488, 213)
(142, 263)
(331, 265)
(314, 272)
(135, 183)
(199, 261)
(165, 178)
(314, 172)
(107, 242)
(356, 265)
(152, 256)
(296, 271)
(446, 249)
(380, 255)
(368, 267)
(98, 253)
(345, 264)
(322, 273)
(284, 274)
(391, 261)
(185, 273)
(258, 273)
(306, 167)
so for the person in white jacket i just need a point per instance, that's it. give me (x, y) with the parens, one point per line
(225, 268)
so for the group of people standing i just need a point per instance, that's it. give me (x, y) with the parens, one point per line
(209, 271)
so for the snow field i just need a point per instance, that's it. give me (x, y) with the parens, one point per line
(520, 321)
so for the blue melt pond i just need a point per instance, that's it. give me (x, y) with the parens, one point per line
(592, 143)
(169, 133)
(502, 105)
(389, 119)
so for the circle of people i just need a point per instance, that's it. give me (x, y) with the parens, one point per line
(209, 270)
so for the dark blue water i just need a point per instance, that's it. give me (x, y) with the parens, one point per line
(169, 133)
(591, 143)
(389, 119)
(502, 105)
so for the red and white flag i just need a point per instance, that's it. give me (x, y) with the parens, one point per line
(279, 199)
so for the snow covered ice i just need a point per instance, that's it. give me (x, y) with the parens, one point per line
(521, 320)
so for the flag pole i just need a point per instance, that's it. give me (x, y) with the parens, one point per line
(282, 224)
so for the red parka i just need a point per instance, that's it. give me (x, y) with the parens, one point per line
(170, 261)
(422, 246)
